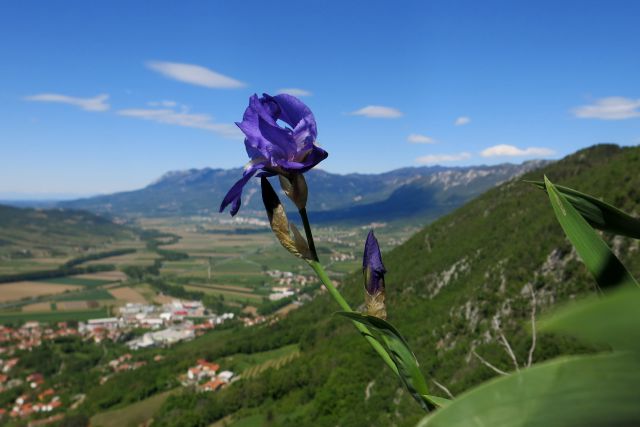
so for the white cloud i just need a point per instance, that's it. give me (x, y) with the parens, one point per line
(163, 103)
(416, 138)
(184, 118)
(97, 103)
(504, 150)
(194, 74)
(611, 108)
(378, 112)
(442, 158)
(462, 120)
(295, 91)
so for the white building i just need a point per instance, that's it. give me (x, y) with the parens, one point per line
(279, 295)
(165, 337)
(225, 376)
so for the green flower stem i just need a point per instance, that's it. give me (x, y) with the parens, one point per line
(345, 306)
(307, 231)
(317, 267)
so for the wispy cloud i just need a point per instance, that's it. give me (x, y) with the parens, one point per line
(443, 158)
(504, 150)
(184, 118)
(611, 108)
(97, 103)
(163, 103)
(416, 138)
(194, 74)
(295, 91)
(462, 120)
(378, 112)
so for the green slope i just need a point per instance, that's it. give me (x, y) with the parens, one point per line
(27, 233)
(447, 287)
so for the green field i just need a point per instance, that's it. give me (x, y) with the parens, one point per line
(88, 295)
(134, 414)
(77, 281)
(232, 295)
(257, 420)
(53, 316)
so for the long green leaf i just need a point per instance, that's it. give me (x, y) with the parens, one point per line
(402, 356)
(582, 391)
(601, 262)
(437, 400)
(611, 319)
(599, 214)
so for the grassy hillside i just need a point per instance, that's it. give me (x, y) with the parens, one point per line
(27, 234)
(448, 288)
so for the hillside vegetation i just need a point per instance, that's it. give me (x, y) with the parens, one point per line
(449, 288)
(28, 233)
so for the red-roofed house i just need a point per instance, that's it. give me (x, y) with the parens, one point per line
(44, 394)
(213, 385)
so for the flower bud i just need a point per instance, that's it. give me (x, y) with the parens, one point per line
(295, 187)
(280, 224)
(373, 271)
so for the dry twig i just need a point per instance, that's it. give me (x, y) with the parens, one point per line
(533, 326)
(443, 388)
(489, 365)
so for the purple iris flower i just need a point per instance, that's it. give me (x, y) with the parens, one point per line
(372, 266)
(274, 149)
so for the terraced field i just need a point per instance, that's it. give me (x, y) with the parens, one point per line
(133, 415)
(249, 365)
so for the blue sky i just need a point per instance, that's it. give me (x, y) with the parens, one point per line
(106, 96)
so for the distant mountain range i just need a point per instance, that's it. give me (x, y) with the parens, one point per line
(420, 192)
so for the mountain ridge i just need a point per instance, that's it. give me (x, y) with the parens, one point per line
(199, 191)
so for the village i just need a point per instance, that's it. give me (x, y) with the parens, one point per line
(167, 325)
(134, 327)
(177, 319)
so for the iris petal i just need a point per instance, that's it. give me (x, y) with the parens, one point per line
(372, 265)
(272, 148)
(293, 111)
(279, 137)
(234, 195)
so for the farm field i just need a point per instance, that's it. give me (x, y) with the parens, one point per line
(127, 294)
(106, 275)
(36, 242)
(38, 307)
(53, 316)
(233, 262)
(22, 265)
(223, 260)
(233, 295)
(19, 290)
(84, 295)
(78, 281)
(141, 257)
